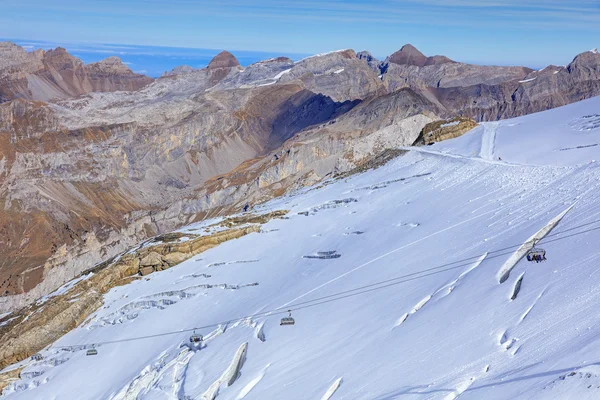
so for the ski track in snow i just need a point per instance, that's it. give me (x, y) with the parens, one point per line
(466, 380)
(506, 340)
(526, 313)
(489, 161)
(488, 140)
(449, 287)
(217, 264)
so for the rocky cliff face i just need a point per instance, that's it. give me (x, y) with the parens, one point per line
(100, 172)
(438, 131)
(92, 171)
(408, 67)
(56, 74)
(537, 91)
(489, 93)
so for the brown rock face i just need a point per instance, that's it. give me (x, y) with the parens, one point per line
(538, 91)
(444, 129)
(437, 60)
(56, 74)
(223, 60)
(222, 65)
(409, 55)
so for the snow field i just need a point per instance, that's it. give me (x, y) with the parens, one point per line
(431, 223)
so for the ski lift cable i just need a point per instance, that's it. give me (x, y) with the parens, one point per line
(341, 295)
(520, 244)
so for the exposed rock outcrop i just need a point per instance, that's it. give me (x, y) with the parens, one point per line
(9, 376)
(223, 60)
(371, 61)
(444, 130)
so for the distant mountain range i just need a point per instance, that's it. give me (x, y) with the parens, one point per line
(95, 158)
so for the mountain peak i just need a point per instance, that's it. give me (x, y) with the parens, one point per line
(111, 65)
(408, 55)
(111, 60)
(409, 48)
(223, 60)
(61, 59)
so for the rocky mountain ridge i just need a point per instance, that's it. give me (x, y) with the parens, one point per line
(55, 74)
(89, 174)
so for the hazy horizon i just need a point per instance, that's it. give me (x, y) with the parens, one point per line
(532, 33)
(155, 60)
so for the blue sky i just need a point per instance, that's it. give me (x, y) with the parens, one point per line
(525, 32)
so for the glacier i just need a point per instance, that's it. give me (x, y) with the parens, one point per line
(411, 307)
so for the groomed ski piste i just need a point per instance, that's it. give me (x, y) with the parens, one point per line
(430, 297)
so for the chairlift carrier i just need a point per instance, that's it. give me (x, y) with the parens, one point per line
(196, 338)
(91, 352)
(287, 320)
(536, 252)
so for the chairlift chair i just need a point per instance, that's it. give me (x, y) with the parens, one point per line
(196, 338)
(536, 254)
(287, 320)
(91, 352)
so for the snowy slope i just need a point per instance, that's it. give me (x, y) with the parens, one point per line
(563, 136)
(439, 332)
